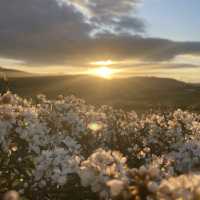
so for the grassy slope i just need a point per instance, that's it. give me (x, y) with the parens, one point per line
(139, 93)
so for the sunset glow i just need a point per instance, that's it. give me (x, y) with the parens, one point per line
(103, 72)
(103, 63)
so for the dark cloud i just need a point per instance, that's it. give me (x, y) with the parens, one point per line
(130, 25)
(179, 66)
(35, 16)
(53, 32)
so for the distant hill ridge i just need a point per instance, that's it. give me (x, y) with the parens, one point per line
(138, 93)
(13, 72)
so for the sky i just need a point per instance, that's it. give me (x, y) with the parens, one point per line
(132, 37)
(172, 19)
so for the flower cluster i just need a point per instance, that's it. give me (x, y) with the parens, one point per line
(67, 149)
(101, 168)
(186, 187)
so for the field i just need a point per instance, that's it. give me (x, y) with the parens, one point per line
(64, 148)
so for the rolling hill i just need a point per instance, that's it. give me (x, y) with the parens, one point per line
(13, 73)
(138, 93)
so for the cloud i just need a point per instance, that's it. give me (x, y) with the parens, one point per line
(58, 32)
(110, 15)
(187, 59)
(29, 29)
(106, 8)
(35, 17)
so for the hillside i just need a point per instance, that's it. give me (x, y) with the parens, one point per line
(13, 73)
(138, 93)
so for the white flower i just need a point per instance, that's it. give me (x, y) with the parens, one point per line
(11, 195)
(184, 187)
(116, 187)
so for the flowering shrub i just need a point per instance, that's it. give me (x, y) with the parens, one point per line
(66, 149)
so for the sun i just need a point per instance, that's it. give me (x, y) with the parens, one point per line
(103, 72)
(102, 69)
